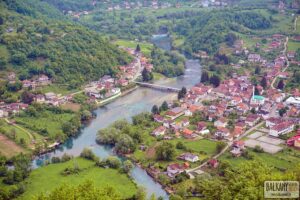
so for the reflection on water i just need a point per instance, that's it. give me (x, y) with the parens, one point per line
(162, 41)
(125, 107)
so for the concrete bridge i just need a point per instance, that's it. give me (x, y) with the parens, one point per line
(158, 87)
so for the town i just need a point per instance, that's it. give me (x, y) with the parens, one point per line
(106, 88)
(152, 99)
(237, 112)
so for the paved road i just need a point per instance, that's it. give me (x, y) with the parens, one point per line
(225, 149)
(287, 61)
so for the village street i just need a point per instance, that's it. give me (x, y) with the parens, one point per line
(287, 62)
(198, 169)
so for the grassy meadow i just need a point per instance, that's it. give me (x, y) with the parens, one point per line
(49, 177)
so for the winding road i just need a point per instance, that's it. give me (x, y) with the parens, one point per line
(190, 171)
(287, 61)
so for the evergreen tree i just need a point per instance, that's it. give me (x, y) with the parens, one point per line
(204, 77)
(256, 91)
(138, 48)
(280, 85)
(263, 82)
(165, 151)
(182, 93)
(155, 109)
(164, 106)
(215, 80)
(147, 76)
(257, 70)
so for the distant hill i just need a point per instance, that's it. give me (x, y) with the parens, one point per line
(34, 41)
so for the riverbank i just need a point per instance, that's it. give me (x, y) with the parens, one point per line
(130, 103)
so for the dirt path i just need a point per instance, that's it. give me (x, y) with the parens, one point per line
(225, 149)
(19, 127)
(295, 24)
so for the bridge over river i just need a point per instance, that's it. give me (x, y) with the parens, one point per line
(158, 87)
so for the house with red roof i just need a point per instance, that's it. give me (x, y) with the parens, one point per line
(213, 163)
(242, 108)
(237, 132)
(294, 141)
(284, 75)
(175, 169)
(201, 126)
(158, 118)
(221, 122)
(272, 121)
(281, 129)
(252, 119)
(160, 131)
(222, 133)
(175, 112)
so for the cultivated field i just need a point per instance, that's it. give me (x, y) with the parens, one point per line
(8, 148)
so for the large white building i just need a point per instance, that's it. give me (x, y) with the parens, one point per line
(293, 101)
(281, 129)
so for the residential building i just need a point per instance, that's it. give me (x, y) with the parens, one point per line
(222, 122)
(175, 169)
(159, 131)
(175, 112)
(189, 157)
(281, 129)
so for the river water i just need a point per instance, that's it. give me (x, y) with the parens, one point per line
(125, 107)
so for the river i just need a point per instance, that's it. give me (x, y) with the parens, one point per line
(140, 100)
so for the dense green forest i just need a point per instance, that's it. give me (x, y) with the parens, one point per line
(200, 29)
(64, 51)
(208, 30)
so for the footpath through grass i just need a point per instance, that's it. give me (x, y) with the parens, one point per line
(47, 120)
(47, 178)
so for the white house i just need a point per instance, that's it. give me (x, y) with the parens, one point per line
(222, 122)
(281, 129)
(293, 101)
(189, 157)
(188, 113)
(272, 121)
(3, 113)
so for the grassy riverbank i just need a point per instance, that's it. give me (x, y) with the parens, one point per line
(47, 178)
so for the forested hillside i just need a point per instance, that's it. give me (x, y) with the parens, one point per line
(31, 43)
(207, 30)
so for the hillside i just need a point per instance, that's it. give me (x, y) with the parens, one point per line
(32, 43)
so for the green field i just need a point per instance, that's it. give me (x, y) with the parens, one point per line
(46, 120)
(288, 159)
(47, 178)
(19, 133)
(146, 47)
(58, 89)
(293, 45)
(203, 148)
(207, 146)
